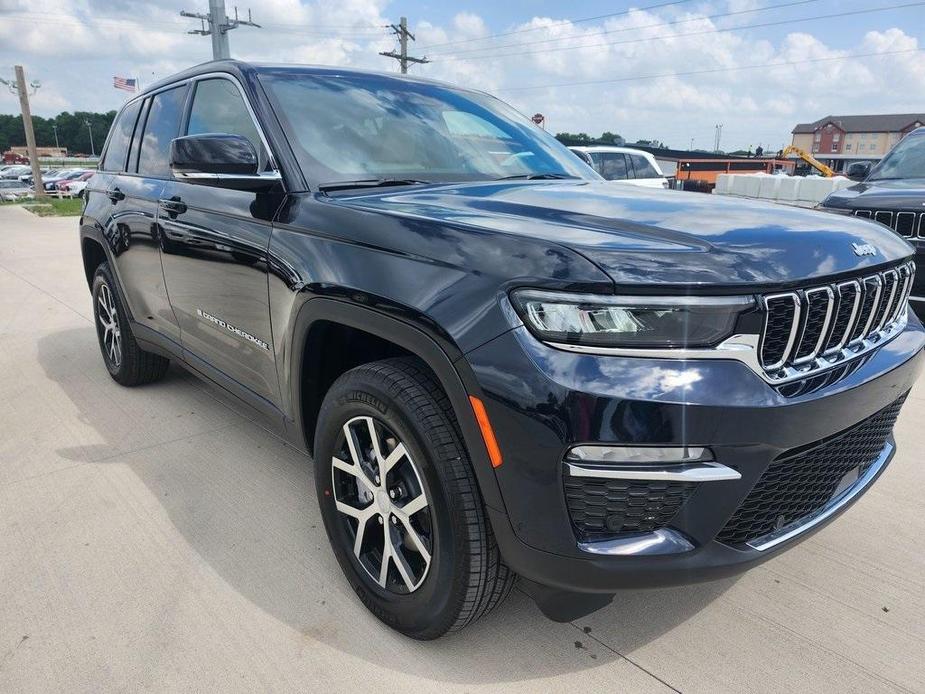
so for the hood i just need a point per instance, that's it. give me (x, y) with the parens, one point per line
(657, 237)
(906, 193)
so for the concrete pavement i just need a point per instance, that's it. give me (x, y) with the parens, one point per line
(156, 539)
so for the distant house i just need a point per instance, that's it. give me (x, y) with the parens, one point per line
(839, 140)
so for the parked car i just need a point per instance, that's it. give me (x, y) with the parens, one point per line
(623, 165)
(74, 187)
(14, 190)
(892, 193)
(14, 172)
(51, 185)
(29, 179)
(500, 363)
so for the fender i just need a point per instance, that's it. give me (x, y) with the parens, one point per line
(458, 383)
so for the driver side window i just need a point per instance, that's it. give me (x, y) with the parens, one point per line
(219, 108)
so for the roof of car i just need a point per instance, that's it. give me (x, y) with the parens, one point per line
(609, 148)
(244, 69)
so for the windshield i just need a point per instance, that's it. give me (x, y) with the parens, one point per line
(361, 127)
(907, 160)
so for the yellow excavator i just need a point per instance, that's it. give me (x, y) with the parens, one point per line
(826, 171)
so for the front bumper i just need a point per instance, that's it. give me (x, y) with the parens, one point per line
(542, 401)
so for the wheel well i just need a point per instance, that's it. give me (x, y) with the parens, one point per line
(93, 256)
(332, 349)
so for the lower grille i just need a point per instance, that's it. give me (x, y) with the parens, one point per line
(606, 507)
(803, 481)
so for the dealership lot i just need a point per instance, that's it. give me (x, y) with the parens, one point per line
(157, 539)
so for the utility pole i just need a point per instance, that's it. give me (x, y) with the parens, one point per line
(401, 31)
(219, 26)
(21, 87)
(54, 126)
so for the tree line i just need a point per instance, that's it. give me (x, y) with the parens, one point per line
(72, 131)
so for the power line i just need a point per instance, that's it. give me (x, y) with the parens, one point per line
(704, 32)
(560, 23)
(621, 30)
(709, 71)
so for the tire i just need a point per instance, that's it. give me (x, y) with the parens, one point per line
(126, 362)
(465, 576)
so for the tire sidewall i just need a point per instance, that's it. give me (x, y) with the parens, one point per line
(104, 276)
(432, 607)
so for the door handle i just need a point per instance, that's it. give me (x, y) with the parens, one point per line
(172, 205)
(115, 195)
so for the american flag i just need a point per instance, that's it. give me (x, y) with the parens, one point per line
(129, 84)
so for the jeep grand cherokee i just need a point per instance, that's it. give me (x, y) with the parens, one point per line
(501, 364)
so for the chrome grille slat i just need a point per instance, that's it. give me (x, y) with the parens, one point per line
(873, 286)
(884, 217)
(905, 224)
(770, 304)
(848, 302)
(811, 333)
(819, 327)
(886, 300)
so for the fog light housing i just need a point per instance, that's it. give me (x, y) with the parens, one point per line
(640, 455)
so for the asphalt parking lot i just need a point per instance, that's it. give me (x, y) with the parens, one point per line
(156, 539)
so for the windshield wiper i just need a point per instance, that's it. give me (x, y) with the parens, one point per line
(370, 183)
(535, 177)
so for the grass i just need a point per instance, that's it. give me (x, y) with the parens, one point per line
(55, 207)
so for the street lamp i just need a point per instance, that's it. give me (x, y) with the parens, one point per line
(54, 126)
(90, 130)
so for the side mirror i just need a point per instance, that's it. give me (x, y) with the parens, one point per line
(219, 159)
(858, 171)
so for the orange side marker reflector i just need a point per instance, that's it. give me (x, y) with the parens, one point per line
(488, 434)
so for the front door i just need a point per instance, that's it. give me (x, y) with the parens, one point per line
(214, 253)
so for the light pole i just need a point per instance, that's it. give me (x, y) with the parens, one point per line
(90, 130)
(54, 126)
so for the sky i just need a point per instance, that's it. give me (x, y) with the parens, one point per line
(650, 69)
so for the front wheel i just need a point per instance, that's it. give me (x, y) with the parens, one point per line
(400, 502)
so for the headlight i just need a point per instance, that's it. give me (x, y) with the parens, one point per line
(630, 321)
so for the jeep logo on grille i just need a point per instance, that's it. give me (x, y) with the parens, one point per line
(863, 249)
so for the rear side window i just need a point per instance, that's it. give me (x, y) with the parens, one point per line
(161, 127)
(644, 168)
(611, 165)
(116, 152)
(219, 108)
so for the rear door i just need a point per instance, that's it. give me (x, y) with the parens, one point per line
(611, 165)
(131, 197)
(215, 253)
(645, 173)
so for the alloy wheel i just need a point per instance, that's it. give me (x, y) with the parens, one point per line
(380, 498)
(109, 320)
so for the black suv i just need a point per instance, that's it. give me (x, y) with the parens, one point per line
(893, 193)
(501, 364)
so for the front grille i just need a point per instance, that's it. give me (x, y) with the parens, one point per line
(906, 223)
(808, 329)
(804, 480)
(602, 508)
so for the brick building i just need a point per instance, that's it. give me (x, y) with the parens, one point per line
(839, 140)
